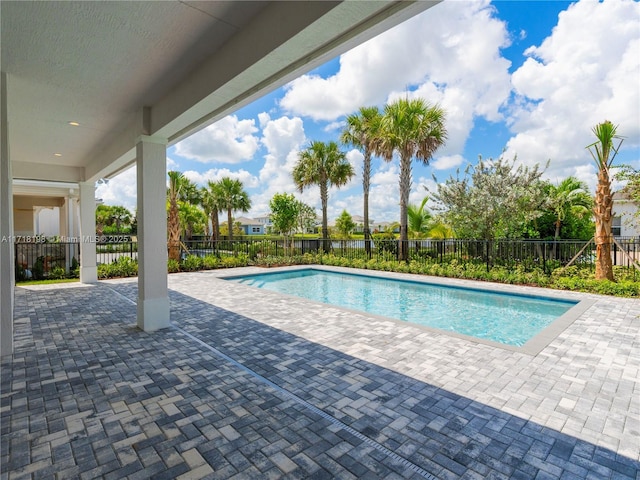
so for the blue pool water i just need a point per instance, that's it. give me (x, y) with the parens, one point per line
(506, 318)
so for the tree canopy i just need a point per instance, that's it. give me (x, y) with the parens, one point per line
(345, 224)
(284, 213)
(113, 219)
(494, 199)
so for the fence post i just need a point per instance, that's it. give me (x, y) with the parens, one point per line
(487, 253)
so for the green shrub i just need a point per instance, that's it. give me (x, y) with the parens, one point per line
(210, 262)
(37, 271)
(173, 266)
(191, 263)
(262, 249)
(57, 273)
(21, 274)
(623, 288)
(240, 260)
(386, 243)
(121, 267)
(75, 268)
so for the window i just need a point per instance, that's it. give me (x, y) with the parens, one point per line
(255, 229)
(616, 226)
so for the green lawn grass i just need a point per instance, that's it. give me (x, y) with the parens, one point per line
(46, 281)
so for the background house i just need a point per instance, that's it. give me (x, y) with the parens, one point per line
(359, 221)
(625, 220)
(251, 226)
(265, 221)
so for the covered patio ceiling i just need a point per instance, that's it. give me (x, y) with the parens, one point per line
(160, 68)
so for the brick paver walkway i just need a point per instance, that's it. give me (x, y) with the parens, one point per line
(251, 384)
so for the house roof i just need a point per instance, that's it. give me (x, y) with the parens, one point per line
(244, 221)
(622, 196)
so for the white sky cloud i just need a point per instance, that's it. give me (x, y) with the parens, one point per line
(120, 190)
(586, 72)
(283, 138)
(448, 162)
(215, 174)
(227, 141)
(450, 55)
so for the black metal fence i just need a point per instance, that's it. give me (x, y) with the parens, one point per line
(39, 260)
(529, 254)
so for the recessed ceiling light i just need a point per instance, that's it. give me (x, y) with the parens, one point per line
(57, 154)
(74, 124)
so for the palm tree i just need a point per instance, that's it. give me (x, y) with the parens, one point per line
(569, 197)
(120, 216)
(173, 222)
(191, 218)
(418, 219)
(233, 198)
(212, 205)
(603, 152)
(102, 218)
(411, 128)
(322, 164)
(440, 230)
(361, 132)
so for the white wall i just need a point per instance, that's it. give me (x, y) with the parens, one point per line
(626, 209)
(48, 221)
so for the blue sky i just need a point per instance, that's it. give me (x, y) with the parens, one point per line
(527, 78)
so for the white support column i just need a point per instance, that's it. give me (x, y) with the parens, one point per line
(88, 268)
(71, 208)
(36, 220)
(153, 295)
(62, 219)
(7, 253)
(64, 232)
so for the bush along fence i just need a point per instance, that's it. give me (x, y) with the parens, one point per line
(57, 260)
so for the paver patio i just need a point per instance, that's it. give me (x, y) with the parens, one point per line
(252, 384)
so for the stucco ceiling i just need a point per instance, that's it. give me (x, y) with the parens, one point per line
(167, 68)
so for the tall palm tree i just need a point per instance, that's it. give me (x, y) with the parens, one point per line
(603, 152)
(569, 197)
(361, 132)
(212, 205)
(173, 222)
(412, 129)
(322, 164)
(234, 198)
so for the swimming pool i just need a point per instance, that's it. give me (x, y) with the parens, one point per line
(510, 319)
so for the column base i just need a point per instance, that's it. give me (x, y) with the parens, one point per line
(153, 314)
(88, 274)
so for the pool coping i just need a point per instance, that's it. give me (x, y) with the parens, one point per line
(532, 347)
